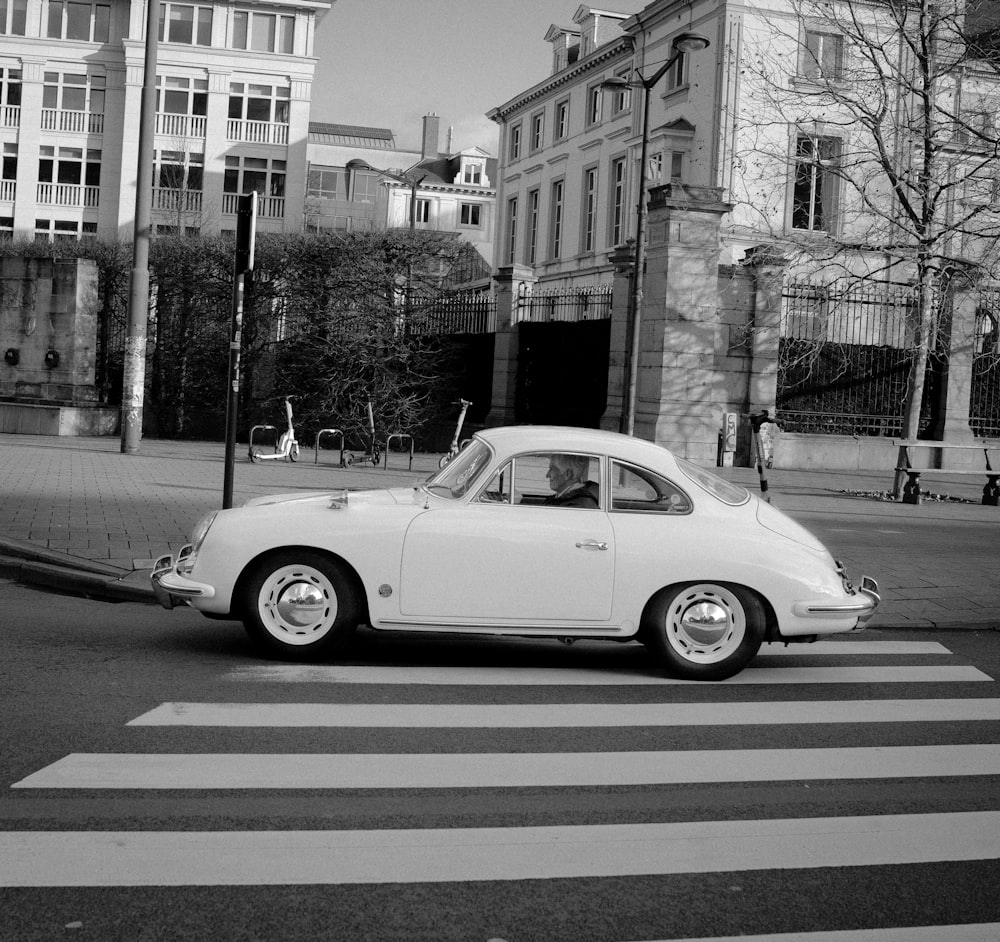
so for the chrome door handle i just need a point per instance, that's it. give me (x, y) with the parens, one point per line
(592, 545)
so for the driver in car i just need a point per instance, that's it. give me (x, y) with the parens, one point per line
(567, 476)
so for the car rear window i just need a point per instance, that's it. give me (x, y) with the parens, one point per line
(726, 491)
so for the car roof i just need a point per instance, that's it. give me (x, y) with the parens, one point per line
(510, 439)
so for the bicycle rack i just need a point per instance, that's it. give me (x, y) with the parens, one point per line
(399, 436)
(258, 428)
(330, 431)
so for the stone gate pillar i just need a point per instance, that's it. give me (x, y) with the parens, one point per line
(957, 391)
(767, 268)
(623, 258)
(680, 394)
(509, 281)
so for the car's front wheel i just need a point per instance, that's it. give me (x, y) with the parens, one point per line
(300, 604)
(705, 631)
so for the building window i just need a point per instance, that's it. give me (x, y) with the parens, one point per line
(676, 165)
(621, 98)
(186, 24)
(589, 208)
(514, 142)
(472, 173)
(254, 175)
(263, 32)
(558, 193)
(74, 19)
(537, 131)
(562, 120)
(677, 74)
(532, 247)
(69, 165)
(62, 230)
(10, 86)
(69, 92)
(423, 211)
(470, 214)
(182, 96)
(595, 96)
(13, 17)
(364, 186)
(617, 214)
(814, 188)
(6, 228)
(822, 55)
(511, 230)
(177, 170)
(259, 103)
(328, 184)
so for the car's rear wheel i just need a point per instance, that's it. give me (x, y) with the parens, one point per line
(300, 604)
(704, 630)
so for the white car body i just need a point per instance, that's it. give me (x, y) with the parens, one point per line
(427, 560)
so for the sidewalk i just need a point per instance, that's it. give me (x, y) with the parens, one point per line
(76, 515)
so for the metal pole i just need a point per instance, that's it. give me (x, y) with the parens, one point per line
(638, 275)
(134, 381)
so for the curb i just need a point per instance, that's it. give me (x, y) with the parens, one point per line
(75, 580)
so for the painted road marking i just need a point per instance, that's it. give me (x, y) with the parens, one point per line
(978, 932)
(543, 676)
(551, 715)
(508, 769)
(433, 855)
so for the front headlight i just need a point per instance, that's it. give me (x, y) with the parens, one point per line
(201, 530)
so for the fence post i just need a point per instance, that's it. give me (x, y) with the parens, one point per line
(960, 340)
(623, 258)
(509, 280)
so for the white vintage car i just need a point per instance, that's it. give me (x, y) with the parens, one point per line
(530, 531)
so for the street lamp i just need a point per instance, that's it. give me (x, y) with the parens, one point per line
(684, 43)
(407, 176)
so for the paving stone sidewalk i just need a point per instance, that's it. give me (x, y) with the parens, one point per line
(77, 515)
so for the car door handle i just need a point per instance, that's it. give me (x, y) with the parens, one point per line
(592, 545)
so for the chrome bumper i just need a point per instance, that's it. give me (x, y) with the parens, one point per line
(170, 587)
(864, 603)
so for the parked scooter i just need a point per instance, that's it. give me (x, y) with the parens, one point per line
(455, 447)
(287, 447)
(374, 453)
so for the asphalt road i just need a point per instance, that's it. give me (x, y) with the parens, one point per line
(86, 683)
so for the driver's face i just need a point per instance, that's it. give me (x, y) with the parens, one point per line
(556, 476)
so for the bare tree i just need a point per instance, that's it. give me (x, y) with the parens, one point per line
(880, 119)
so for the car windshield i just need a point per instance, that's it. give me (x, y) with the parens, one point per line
(726, 491)
(459, 476)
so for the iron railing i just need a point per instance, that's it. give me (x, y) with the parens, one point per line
(984, 396)
(541, 306)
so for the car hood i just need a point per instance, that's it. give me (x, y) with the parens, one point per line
(361, 497)
(778, 522)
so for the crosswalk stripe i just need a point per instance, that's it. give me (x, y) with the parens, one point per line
(507, 770)
(230, 858)
(541, 676)
(552, 715)
(977, 932)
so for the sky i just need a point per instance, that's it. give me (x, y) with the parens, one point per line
(387, 63)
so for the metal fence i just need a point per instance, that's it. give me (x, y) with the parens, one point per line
(460, 314)
(844, 358)
(984, 399)
(541, 306)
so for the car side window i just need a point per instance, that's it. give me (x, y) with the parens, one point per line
(557, 480)
(640, 491)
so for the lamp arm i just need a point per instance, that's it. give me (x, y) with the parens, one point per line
(662, 70)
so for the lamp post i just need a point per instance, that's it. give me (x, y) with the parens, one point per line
(684, 43)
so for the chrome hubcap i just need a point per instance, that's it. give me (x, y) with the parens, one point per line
(300, 604)
(297, 604)
(706, 624)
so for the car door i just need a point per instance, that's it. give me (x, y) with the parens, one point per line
(507, 557)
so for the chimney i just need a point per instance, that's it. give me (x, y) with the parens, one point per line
(429, 148)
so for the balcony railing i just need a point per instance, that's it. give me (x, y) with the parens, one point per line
(256, 132)
(181, 125)
(68, 194)
(268, 207)
(174, 200)
(8, 188)
(10, 116)
(77, 122)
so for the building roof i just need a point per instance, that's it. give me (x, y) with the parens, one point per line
(351, 135)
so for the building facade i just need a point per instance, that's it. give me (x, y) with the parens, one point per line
(233, 86)
(358, 179)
